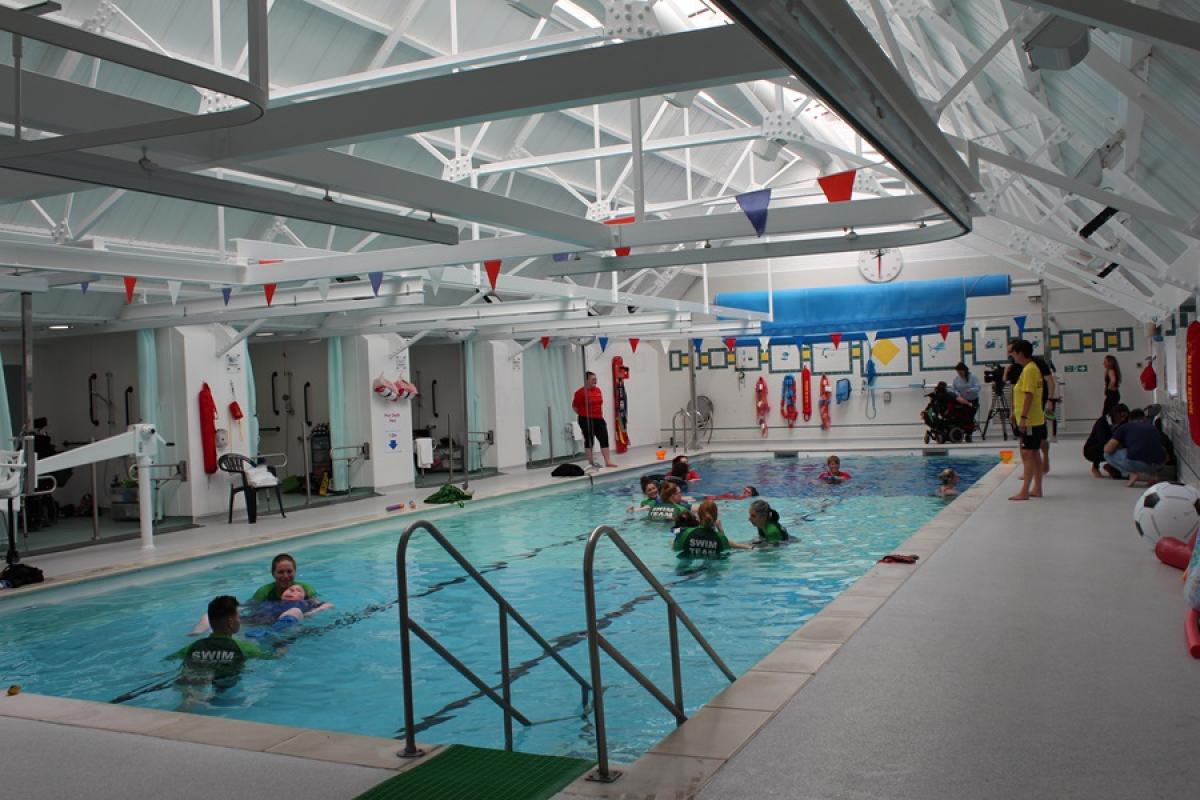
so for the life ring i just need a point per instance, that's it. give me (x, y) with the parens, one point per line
(787, 403)
(761, 406)
(1193, 380)
(825, 401)
(806, 393)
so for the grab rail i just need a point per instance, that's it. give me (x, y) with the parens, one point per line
(597, 642)
(504, 700)
(683, 412)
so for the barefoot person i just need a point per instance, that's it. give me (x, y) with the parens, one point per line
(1030, 421)
(589, 405)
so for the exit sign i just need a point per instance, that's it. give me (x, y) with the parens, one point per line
(1076, 368)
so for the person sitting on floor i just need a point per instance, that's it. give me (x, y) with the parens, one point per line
(1102, 430)
(1136, 449)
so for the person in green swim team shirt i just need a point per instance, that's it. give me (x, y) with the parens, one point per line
(707, 540)
(218, 658)
(766, 521)
(283, 570)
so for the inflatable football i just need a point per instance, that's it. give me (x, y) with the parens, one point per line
(1167, 509)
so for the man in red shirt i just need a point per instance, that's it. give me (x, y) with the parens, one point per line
(589, 405)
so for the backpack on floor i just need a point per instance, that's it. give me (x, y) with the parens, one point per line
(21, 575)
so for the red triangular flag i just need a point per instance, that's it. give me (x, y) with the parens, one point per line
(269, 291)
(545, 342)
(839, 186)
(493, 271)
(836, 338)
(129, 284)
(944, 330)
(729, 343)
(621, 251)
(633, 343)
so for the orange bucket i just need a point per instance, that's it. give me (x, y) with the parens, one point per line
(1006, 456)
(661, 455)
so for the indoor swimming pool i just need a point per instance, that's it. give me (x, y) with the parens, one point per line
(107, 639)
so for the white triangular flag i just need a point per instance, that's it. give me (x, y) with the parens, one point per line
(666, 346)
(435, 279)
(173, 290)
(871, 337)
(323, 288)
(764, 342)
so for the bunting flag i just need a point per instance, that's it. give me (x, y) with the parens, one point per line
(560, 257)
(754, 206)
(633, 343)
(84, 285)
(269, 291)
(376, 279)
(493, 271)
(666, 346)
(270, 261)
(129, 284)
(871, 337)
(764, 342)
(836, 338)
(225, 293)
(944, 330)
(173, 290)
(621, 251)
(435, 279)
(1020, 320)
(730, 343)
(545, 342)
(697, 343)
(838, 187)
(603, 340)
(323, 288)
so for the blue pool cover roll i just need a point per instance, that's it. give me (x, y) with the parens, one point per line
(883, 307)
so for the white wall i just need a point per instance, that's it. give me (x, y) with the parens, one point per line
(642, 388)
(442, 363)
(186, 361)
(385, 425)
(307, 361)
(500, 385)
(1069, 310)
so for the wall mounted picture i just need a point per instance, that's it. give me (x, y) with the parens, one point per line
(785, 358)
(938, 353)
(1034, 337)
(830, 360)
(891, 356)
(990, 345)
(748, 357)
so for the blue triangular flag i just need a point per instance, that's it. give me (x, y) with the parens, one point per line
(225, 294)
(84, 284)
(560, 256)
(1020, 320)
(696, 343)
(754, 206)
(603, 340)
(376, 281)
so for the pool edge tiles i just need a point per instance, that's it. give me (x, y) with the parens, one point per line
(143, 559)
(318, 745)
(685, 760)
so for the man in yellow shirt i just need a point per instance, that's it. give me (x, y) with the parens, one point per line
(1030, 421)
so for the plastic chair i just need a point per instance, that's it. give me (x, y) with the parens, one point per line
(237, 464)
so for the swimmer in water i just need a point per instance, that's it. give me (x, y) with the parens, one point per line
(706, 540)
(948, 483)
(766, 521)
(833, 471)
(292, 607)
(746, 493)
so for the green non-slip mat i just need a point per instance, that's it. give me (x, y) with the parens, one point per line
(476, 773)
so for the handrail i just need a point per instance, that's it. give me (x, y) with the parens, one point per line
(597, 642)
(504, 700)
(683, 412)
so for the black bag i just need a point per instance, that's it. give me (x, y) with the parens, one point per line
(21, 575)
(567, 471)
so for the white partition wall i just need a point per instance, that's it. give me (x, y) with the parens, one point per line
(385, 425)
(499, 382)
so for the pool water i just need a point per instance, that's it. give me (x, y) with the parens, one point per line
(341, 670)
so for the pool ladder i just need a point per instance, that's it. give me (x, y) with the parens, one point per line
(409, 625)
(597, 642)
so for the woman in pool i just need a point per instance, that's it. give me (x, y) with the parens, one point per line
(833, 471)
(672, 495)
(651, 498)
(682, 471)
(766, 521)
(948, 483)
(283, 570)
(746, 493)
(706, 540)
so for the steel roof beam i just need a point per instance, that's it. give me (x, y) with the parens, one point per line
(1133, 20)
(75, 259)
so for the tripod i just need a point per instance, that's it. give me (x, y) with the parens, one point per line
(1000, 409)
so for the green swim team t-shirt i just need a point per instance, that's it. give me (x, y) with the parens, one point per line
(701, 542)
(271, 592)
(773, 533)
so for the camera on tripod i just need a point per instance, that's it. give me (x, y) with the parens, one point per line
(995, 375)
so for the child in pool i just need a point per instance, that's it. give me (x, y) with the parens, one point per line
(833, 471)
(292, 607)
(948, 480)
(672, 495)
(706, 540)
(746, 493)
(766, 521)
